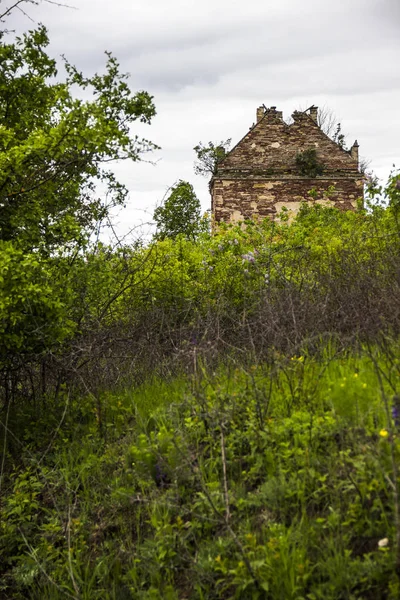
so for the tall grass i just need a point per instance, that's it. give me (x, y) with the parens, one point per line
(272, 481)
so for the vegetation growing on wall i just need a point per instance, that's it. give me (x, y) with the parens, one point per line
(308, 164)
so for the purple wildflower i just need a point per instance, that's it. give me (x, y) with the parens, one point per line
(160, 476)
(249, 257)
(396, 411)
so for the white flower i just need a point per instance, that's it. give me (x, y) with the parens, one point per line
(382, 543)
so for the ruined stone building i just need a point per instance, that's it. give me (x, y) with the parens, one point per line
(277, 165)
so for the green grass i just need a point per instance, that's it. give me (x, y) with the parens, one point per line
(270, 481)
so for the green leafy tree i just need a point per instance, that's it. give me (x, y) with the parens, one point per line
(57, 138)
(180, 213)
(339, 137)
(209, 156)
(55, 146)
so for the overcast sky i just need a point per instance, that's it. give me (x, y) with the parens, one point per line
(209, 64)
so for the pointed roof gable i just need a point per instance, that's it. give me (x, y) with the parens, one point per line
(272, 145)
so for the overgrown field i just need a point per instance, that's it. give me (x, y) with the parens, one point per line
(208, 418)
(273, 481)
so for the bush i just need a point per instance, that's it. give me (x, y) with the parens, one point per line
(308, 164)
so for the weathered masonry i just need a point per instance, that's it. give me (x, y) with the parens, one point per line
(278, 165)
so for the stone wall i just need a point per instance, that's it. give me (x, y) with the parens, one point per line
(237, 199)
(261, 175)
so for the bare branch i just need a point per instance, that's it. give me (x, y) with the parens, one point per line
(18, 6)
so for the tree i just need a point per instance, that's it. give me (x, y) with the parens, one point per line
(57, 138)
(180, 213)
(333, 129)
(54, 146)
(339, 137)
(328, 122)
(209, 156)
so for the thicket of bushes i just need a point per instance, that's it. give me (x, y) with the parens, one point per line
(127, 312)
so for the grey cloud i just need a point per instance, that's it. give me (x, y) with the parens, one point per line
(165, 47)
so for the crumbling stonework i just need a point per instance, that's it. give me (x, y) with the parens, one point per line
(261, 174)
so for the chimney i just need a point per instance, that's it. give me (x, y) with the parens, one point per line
(260, 113)
(354, 151)
(314, 114)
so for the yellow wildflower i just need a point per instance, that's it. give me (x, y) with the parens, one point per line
(384, 433)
